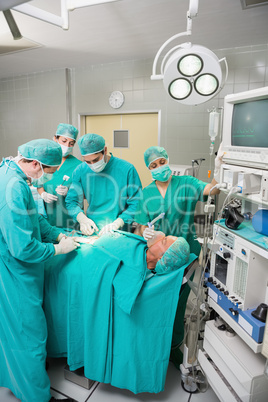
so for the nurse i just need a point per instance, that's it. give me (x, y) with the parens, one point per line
(26, 242)
(110, 185)
(176, 196)
(55, 190)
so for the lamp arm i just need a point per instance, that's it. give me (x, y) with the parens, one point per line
(226, 71)
(36, 12)
(155, 76)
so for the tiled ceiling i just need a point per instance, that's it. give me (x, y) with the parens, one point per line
(128, 30)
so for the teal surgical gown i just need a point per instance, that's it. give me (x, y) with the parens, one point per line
(179, 205)
(57, 213)
(25, 243)
(111, 194)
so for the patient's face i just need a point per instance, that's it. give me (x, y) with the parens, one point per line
(158, 249)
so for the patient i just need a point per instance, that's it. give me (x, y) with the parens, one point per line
(166, 253)
(163, 253)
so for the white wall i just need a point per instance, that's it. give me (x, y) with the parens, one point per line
(31, 106)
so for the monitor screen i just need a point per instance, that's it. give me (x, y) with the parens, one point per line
(221, 266)
(250, 124)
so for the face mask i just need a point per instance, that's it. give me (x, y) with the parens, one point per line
(98, 166)
(162, 173)
(66, 150)
(42, 179)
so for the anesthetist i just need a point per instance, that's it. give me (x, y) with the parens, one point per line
(110, 185)
(176, 196)
(55, 190)
(26, 242)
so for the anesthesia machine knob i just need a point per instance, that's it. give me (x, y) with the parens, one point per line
(226, 255)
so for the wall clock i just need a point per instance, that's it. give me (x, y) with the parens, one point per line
(116, 99)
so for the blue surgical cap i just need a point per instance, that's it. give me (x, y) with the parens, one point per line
(153, 153)
(175, 257)
(91, 144)
(47, 152)
(67, 130)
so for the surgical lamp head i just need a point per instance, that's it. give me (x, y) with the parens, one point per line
(192, 74)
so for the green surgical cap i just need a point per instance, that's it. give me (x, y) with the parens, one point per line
(47, 152)
(67, 130)
(153, 153)
(91, 144)
(174, 258)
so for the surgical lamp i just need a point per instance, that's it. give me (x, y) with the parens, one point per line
(191, 74)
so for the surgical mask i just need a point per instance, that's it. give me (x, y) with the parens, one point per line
(66, 150)
(98, 166)
(162, 173)
(40, 181)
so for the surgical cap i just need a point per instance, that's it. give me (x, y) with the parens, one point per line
(47, 152)
(153, 153)
(91, 144)
(67, 130)
(174, 258)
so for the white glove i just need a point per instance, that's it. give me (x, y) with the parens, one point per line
(66, 245)
(62, 190)
(148, 233)
(87, 226)
(218, 163)
(47, 197)
(60, 236)
(117, 224)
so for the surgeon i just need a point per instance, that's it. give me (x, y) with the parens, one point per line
(54, 191)
(176, 197)
(110, 185)
(26, 242)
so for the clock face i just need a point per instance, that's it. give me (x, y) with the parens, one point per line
(116, 99)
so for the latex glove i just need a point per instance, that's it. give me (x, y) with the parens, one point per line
(117, 224)
(66, 245)
(47, 197)
(87, 226)
(218, 163)
(62, 190)
(60, 236)
(148, 233)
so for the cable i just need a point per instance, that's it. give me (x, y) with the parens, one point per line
(203, 264)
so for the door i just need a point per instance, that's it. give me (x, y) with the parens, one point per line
(142, 130)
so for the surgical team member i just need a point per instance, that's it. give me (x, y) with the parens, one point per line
(26, 241)
(55, 190)
(110, 185)
(176, 196)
